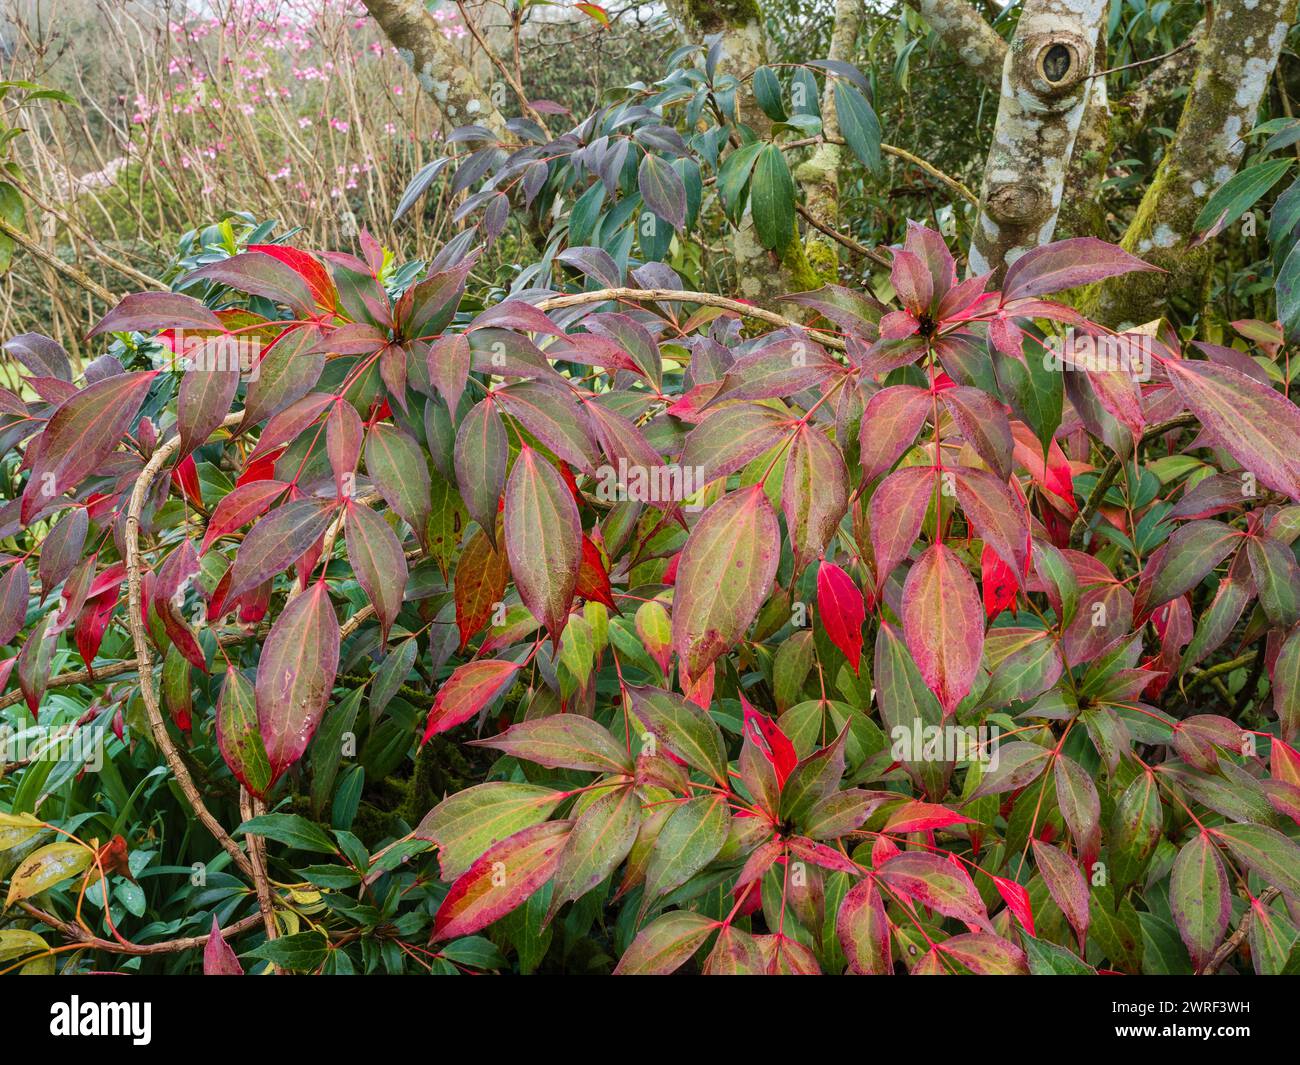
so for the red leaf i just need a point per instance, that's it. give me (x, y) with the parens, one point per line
(307, 267)
(1017, 900)
(999, 582)
(185, 476)
(240, 506)
(1067, 264)
(767, 736)
(81, 434)
(470, 688)
(593, 579)
(503, 877)
(842, 611)
(218, 958)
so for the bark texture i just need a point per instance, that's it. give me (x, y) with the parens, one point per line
(1236, 59)
(761, 275)
(1045, 88)
(964, 30)
(819, 175)
(441, 69)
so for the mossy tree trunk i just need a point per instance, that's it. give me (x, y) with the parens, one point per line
(819, 175)
(761, 275)
(1236, 58)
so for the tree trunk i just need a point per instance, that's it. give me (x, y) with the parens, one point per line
(761, 275)
(964, 30)
(1045, 88)
(819, 175)
(439, 66)
(1236, 60)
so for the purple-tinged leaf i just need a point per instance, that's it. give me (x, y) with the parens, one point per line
(943, 624)
(1065, 884)
(1200, 898)
(889, 425)
(218, 958)
(1067, 264)
(144, 312)
(240, 506)
(931, 881)
(378, 561)
(997, 515)
(206, 393)
(449, 362)
(41, 355)
(480, 458)
(896, 514)
(80, 436)
(730, 437)
(553, 417)
(1259, 427)
(295, 676)
(259, 274)
(814, 492)
(277, 541)
(401, 473)
(543, 535)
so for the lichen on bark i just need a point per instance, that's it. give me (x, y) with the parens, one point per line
(1045, 88)
(439, 67)
(1236, 59)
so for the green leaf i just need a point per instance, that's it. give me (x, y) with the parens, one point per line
(733, 179)
(1048, 959)
(664, 945)
(1240, 193)
(859, 124)
(601, 838)
(378, 561)
(685, 729)
(1273, 857)
(1200, 897)
(767, 91)
(771, 198)
(466, 824)
(238, 737)
(397, 464)
(663, 190)
(302, 952)
(688, 841)
(292, 830)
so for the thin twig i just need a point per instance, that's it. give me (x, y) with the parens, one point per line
(1230, 945)
(169, 946)
(78, 277)
(140, 638)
